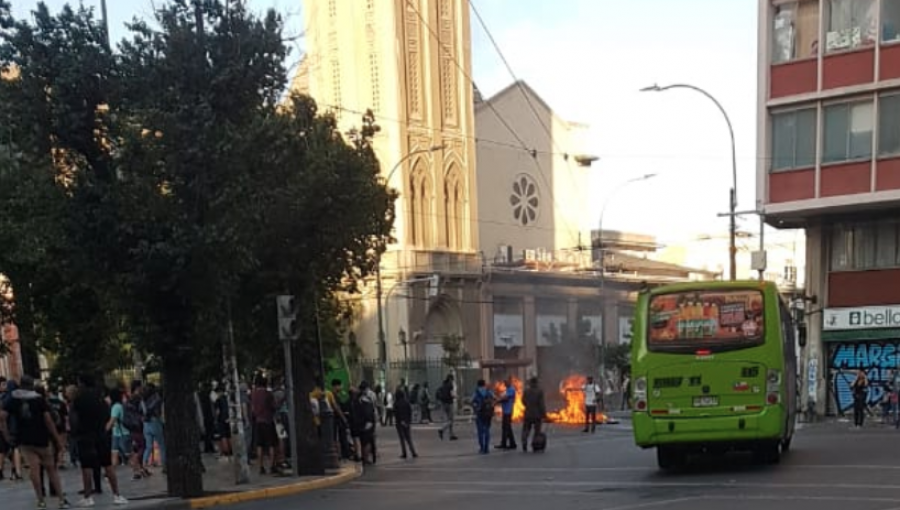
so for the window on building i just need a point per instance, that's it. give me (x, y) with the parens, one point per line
(794, 139)
(841, 247)
(865, 245)
(420, 207)
(453, 209)
(850, 24)
(889, 125)
(886, 244)
(890, 20)
(795, 31)
(848, 132)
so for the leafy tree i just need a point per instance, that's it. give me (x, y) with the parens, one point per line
(164, 186)
(55, 69)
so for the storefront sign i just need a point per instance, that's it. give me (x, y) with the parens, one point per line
(864, 317)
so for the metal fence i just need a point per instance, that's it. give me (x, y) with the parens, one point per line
(419, 371)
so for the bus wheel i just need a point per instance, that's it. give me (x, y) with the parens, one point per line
(768, 453)
(670, 457)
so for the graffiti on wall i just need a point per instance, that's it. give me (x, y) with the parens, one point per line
(878, 359)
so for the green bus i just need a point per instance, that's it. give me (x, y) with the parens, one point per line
(714, 369)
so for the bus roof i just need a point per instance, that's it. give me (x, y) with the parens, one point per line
(715, 285)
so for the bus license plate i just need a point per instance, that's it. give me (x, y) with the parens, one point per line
(706, 401)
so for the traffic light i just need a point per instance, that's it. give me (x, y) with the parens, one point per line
(288, 328)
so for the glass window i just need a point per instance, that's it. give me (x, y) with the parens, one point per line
(850, 24)
(794, 139)
(890, 20)
(715, 320)
(889, 124)
(864, 240)
(795, 31)
(848, 132)
(886, 244)
(841, 247)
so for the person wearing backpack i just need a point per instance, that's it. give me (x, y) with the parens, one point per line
(483, 403)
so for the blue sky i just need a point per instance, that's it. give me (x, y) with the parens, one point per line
(588, 59)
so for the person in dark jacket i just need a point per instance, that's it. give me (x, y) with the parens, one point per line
(364, 419)
(403, 413)
(535, 410)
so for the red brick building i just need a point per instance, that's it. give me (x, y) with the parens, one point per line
(829, 146)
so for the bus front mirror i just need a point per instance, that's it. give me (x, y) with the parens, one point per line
(801, 334)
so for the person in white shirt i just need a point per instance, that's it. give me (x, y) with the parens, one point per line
(591, 396)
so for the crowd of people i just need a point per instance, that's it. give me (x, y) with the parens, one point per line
(81, 426)
(95, 429)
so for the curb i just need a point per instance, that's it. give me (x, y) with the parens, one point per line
(345, 475)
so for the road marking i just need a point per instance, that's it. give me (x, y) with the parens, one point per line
(616, 484)
(757, 497)
(436, 468)
(652, 504)
(519, 469)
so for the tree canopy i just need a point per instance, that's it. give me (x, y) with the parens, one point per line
(152, 192)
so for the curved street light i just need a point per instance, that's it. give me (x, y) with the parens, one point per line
(603, 268)
(382, 341)
(732, 211)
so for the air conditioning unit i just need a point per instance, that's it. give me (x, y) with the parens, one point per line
(530, 255)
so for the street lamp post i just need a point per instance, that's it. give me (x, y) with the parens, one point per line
(382, 342)
(402, 337)
(603, 269)
(732, 199)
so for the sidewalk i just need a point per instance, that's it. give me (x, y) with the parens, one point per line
(218, 482)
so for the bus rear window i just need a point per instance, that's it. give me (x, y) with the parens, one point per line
(710, 320)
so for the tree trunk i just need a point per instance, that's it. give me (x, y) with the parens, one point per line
(183, 464)
(310, 460)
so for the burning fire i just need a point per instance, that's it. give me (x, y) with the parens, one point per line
(570, 389)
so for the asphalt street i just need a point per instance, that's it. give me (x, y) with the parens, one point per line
(829, 467)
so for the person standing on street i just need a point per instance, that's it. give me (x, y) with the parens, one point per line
(591, 392)
(483, 402)
(403, 414)
(446, 395)
(535, 411)
(507, 404)
(264, 432)
(36, 432)
(860, 388)
(94, 439)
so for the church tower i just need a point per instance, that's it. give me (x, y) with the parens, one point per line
(409, 61)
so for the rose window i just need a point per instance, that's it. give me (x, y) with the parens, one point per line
(524, 199)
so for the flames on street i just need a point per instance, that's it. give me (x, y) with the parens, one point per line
(571, 393)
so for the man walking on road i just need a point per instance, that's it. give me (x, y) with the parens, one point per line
(446, 395)
(507, 403)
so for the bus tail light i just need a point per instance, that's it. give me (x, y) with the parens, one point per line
(773, 387)
(640, 394)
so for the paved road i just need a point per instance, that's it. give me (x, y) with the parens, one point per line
(831, 467)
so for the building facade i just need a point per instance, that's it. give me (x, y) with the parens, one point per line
(829, 127)
(409, 63)
(533, 177)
